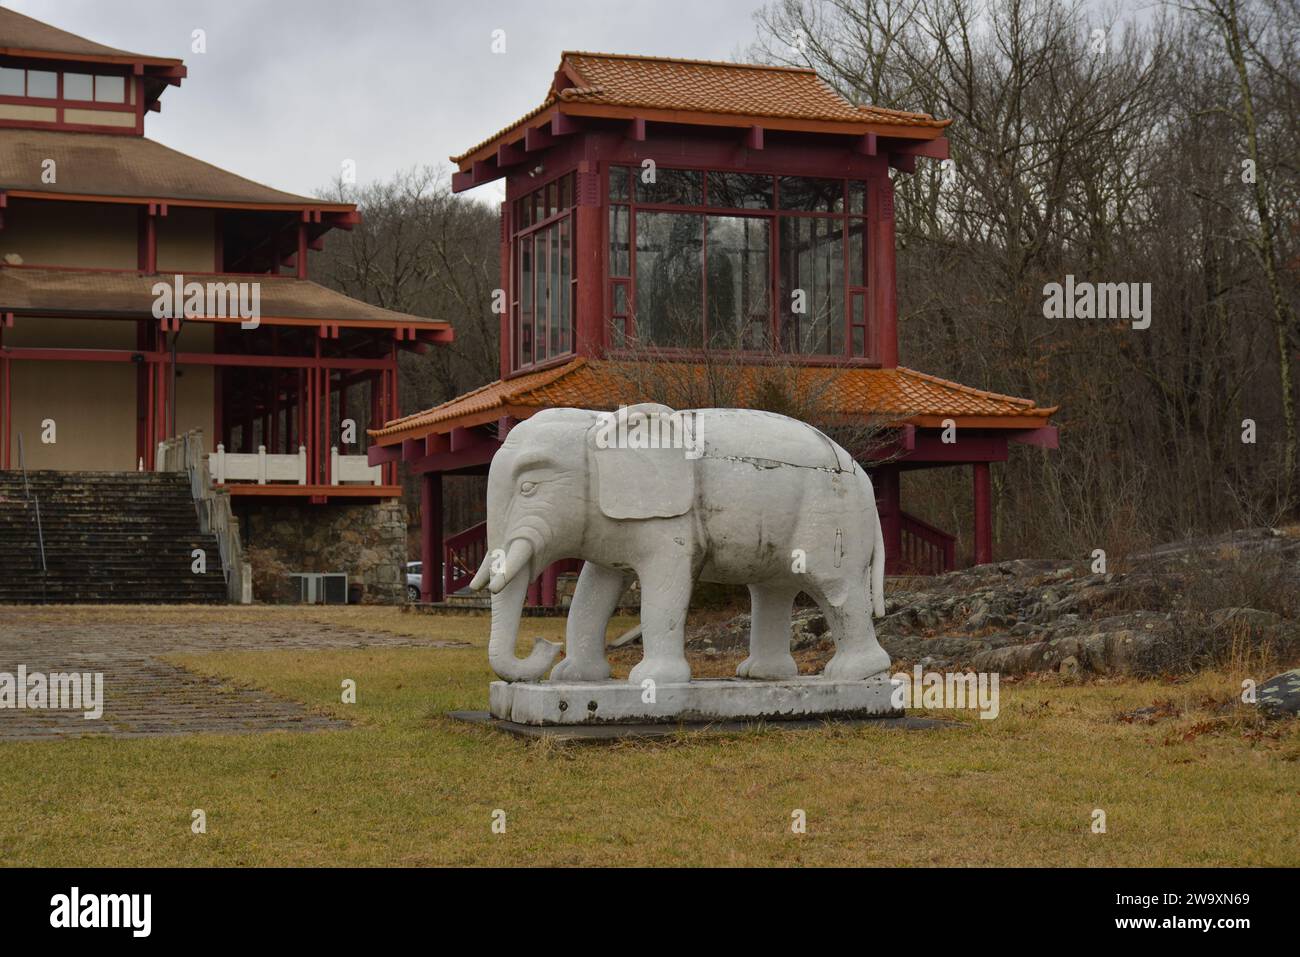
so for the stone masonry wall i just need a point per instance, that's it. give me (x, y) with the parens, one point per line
(367, 541)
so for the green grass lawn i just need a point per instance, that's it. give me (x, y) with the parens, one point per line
(408, 786)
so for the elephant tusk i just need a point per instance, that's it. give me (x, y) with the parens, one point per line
(484, 573)
(517, 559)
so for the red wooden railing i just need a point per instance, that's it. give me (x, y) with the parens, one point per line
(925, 550)
(462, 555)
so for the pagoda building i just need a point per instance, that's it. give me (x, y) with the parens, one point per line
(146, 295)
(655, 203)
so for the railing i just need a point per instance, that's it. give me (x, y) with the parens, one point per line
(184, 453)
(462, 555)
(263, 467)
(36, 501)
(925, 550)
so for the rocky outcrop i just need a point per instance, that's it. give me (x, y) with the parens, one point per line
(1170, 610)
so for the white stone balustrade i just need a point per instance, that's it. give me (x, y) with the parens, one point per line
(262, 467)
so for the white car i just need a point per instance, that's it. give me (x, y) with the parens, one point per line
(414, 576)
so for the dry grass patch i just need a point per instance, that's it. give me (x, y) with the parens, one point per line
(1202, 783)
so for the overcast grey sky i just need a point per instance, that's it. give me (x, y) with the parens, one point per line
(289, 89)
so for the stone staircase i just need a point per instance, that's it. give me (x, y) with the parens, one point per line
(122, 537)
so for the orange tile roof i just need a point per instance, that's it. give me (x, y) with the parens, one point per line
(623, 81)
(903, 396)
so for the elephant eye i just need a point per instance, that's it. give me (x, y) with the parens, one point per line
(527, 488)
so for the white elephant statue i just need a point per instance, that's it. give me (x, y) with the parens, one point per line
(746, 497)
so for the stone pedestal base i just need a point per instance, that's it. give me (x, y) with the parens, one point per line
(724, 699)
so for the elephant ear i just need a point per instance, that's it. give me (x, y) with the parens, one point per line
(634, 481)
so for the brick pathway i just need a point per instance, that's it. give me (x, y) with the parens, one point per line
(146, 696)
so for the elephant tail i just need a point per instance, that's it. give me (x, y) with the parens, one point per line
(878, 570)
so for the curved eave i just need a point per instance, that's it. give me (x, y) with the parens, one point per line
(123, 59)
(306, 204)
(488, 149)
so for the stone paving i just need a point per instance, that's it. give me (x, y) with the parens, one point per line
(144, 695)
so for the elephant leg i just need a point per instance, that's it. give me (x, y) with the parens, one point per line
(594, 600)
(665, 597)
(858, 654)
(769, 633)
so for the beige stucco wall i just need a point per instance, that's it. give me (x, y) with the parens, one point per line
(93, 404)
(100, 117)
(106, 236)
(91, 235)
(187, 240)
(16, 111)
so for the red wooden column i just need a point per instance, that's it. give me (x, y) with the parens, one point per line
(549, 577)
(883, 294)
(983, 514)
(888, 501)
(6, 400)
(431, 536)
(588, 259)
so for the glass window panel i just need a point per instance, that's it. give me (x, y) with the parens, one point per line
(42, 83)
(566, 192)
(78, 86)
(857, 239)
(740, 190)
(552, 199)
(12, 81)
(857, 197)
(541, 257)
(859, 341)
(110, 89)
(566, 290)
(812, 285)
(525, 328)
(669, 278)
(538, 210)
(620, 262)
(812, 195)
(738, 307)
(620, 299)
(618, 184)
(679, 187)
(559, 285)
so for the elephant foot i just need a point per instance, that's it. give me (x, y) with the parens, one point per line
(662, 671)
(768, 669)
(857, 664)
(575, 669)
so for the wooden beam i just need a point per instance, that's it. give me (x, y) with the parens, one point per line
(537, 138)
(754, 138)
(903, 163)
(636, 129)
(866, 144)
(510, 154)
(564, 125)
(934, 149)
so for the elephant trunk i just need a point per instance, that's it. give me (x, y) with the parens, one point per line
(507, 608)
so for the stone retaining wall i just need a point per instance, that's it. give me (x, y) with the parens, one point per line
(367, 542)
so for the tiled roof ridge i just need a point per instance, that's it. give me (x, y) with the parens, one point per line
(982, 393)
(688, 61)
(521, 384)
(616, 90)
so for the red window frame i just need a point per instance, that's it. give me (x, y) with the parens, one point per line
(543, 214)
(856, 308)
